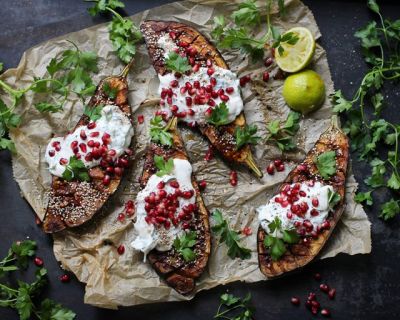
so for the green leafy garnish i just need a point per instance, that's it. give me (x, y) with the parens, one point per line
(246, 135)
(364, 197)
(219, 115)
(247, 13)
(326, 164)
(374, 138)
(235, 308)
(177, 63)
(94, 113)
(109, 91)
(164, 167)
(159, 133)
(123, 34)
(48, 107)
(333, 198)
(282, 134)
(276, 245)
(1, 66)
(230, 237)
(184, 245)
(24, 297)
(288, 37)
(75, 169)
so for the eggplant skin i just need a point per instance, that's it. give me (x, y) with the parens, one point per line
(221, 138)
(179, 274)
(73, 203)
(299, 255)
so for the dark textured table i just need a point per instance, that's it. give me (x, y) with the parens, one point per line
(368, 286)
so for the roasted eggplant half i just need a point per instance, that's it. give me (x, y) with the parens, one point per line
(206, 95)
(88, 163)
(172, 226)
(297, 222)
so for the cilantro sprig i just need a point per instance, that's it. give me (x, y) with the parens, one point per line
(110, 91)
(288, 37)
(177, 63)
(277, 245)
(333, 198)
(159, 133)
(373, 137)
(23, 297)
(282, 134)
(94, 113)
(184, 245)
(219, 115)
(230, 237)
(164, 167)
(326, 164)
(123, 33)
(246, 135)
(235, 308)
(75, 169)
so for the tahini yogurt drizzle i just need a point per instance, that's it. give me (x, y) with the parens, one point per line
(316, 210)
(146, 235)
(192, 97)
(112, 130)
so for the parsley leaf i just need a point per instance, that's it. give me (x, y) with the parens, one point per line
(364, 197)
(7, 144)
(75, 169)
(1, 66)
(109, 91)
(219, 24)
(219, 115)
(394, 182)
(377, 177)
(47, 107)
(247, 14)
(288, 37)
(333, 198)
(164, 167)
(390, 209)
(159, 133)
(246, 135)
(177, 63)
(184, 245)
(326, 164)
(94, 113)
(281, 134)
(101, 5)
(240, 307)
(341, 104)
(230, 237)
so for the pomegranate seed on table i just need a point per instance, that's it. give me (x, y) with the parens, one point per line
(106, 180)
(121, 249)
(317, 276)
(247, 231)
(265, 76)
(38, 261)
(233, 178)
(268, 61)
(280, 168)
(202, 184)
(64, 278)
(301, 167)
(295, 301)
(277, 162)
(325, 312)
(121, 217)
(52, 153)
(140, 119)
(271, 169)
(315, 202)
(332, 293)
(91, 125)
(324, 287)
(63, 161)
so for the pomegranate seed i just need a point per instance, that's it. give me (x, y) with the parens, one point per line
(52, 153)
(110, 169)
(265, 76)
(118, 171)
(271, 169)
(63, 161)
(57, 147)
(121, 217)
(196, 67)
(64, 278)
(295, 301)
(38, 261)
(289, 215)
(202, 184)
(210, 71)
(91, 125)
(268, 62)
(106, 180)
(121, 249)
(172, 35)
(277, 162)
(213, 81)
(209, 63)
(302, 193)
(326, 225)
(314, 310)
(188, 194)
(224, 98)
(83, 148)
(325, 312)
(94, 134)
(182, 90)
(324, 287)
(315, 202)
(174, 83)
(244, 80)
(185, 225)
(301, 167)
(183, 44)
(161, 185)
(317, 276)
(210, 154)
(196, 84)
(281, 168)
(230, 90)
(314, 212)
(311, 296)
(247, 231)
(191, 112)
(88, 157)
(55, 143)
(74, 144)
(192, 51)
(315, 304)
(284, 204)
(140, 118)
(233, 178)
(332, 293)
(211, 103)
(174, 184)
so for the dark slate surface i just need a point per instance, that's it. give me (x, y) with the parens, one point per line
(367, 286)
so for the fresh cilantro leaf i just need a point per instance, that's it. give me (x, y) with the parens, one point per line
(229, 299)
(219, 25)
(94, 113)
(184, 245)
(101, 5)
(364, 197)
(75, 169)
(219, 115)
(247, 14)
(394, 182)
(7, 144)
(230, 237)
(164, 167)
(23, 303)
(246, 135)
(50, 310)
(281, 134)
(390, 209)
(377, 102)
(47, 107)
(333, 198)
(288, 37)
(290, 236)
(341, 104)
(373, 6)
(326, 164)
(109, 91)
(1, 66)
(377, 177)
(276, 245)
(22, 251)
(241, 308)
(159, 133)
(177, 63)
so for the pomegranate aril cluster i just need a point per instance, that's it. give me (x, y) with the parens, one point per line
(277, 165)
(162, 206)
(129, 210)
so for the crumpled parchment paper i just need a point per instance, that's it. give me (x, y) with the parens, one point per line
(113, 279)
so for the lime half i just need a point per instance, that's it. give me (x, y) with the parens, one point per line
(296, 56)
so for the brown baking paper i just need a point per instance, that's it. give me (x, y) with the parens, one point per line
(113, 279)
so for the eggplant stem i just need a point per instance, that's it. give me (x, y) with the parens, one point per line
(172, 124)
(149, 102)
(125, 71)
(253, 166)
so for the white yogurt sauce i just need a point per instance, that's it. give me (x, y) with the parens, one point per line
(166, 43)
(112, 121)
(273, 209)
(147, 236)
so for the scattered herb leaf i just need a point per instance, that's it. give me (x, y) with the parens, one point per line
(94, 113)
(184, 245)
(164, 167)
(364, 197)
(326, 164)
(177, 63)
(75, 169)
(219, 115)
(235, 308)
(246, 135)
(109, 91)
(159, 133)
(282, 134)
